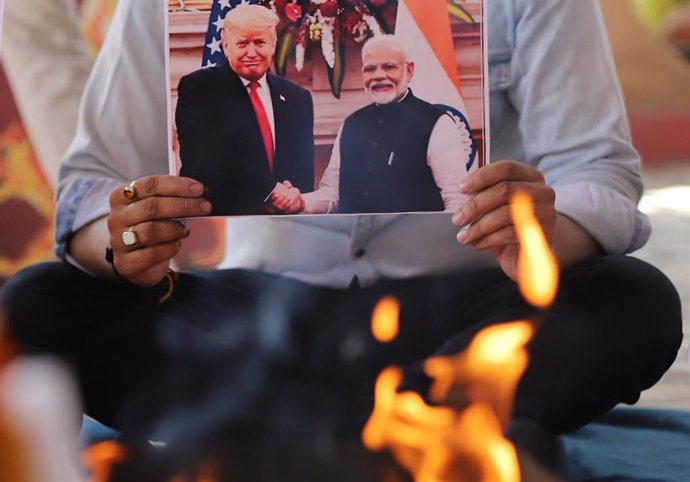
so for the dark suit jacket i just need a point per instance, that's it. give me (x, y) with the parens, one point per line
(221, 144)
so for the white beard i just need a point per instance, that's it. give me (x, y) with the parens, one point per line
(383, 98)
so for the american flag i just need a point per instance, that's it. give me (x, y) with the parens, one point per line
(213, 50)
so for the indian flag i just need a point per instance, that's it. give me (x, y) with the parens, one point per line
(423, 26)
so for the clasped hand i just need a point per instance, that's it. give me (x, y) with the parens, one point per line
(485, 219)
(285, 199)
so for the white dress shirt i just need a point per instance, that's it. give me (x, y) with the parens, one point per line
(555, 104)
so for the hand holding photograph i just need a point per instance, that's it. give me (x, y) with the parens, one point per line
(327, 106)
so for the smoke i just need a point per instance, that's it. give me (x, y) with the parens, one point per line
(256, 358)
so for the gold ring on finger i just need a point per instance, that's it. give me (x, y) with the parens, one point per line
(130, 192)
(129, 237)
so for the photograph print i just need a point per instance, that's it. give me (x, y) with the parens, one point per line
(306, 107)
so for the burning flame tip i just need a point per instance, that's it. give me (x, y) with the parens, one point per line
(537, 266)
(385, 319)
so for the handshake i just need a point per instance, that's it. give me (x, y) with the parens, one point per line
(285, 199)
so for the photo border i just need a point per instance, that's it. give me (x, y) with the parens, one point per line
(483, 155)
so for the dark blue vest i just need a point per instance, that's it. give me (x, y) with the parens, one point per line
(383, 167)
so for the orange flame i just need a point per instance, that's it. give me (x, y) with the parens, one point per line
(466, 442)
(100, 458)
(537, 266)
(488, 371)
(385, 319)
(207, 472)
(437, 443)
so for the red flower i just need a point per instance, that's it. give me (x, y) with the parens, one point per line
(351, 19)
(280, 5)
(293, 12)
(329, 8)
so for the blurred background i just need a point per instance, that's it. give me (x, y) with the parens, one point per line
(48, 47)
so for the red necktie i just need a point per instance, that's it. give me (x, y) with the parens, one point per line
(263, 121)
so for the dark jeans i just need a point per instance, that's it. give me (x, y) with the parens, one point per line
(250, 350)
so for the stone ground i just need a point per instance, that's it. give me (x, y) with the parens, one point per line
(667, 202)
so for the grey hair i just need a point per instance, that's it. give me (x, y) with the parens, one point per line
(390, 41)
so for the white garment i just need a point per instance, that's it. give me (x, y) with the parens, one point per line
(555, 104)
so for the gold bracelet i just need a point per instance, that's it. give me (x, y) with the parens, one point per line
(172, 276)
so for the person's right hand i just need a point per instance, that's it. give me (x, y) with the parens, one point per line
(286, 198)
(152, 216)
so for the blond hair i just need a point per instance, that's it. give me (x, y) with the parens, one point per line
(246, 17)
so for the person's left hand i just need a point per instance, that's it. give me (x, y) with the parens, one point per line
(485, 218)
(286, 199)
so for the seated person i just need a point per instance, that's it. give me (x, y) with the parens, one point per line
(291, 308)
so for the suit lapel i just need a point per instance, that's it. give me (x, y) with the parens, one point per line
(232, 79)
(241, 107)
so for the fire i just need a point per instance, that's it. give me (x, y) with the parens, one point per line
(461, 439)
(537, 266)
(100, 458)
(488, 371)
(207, 472)
(439, 443)
(385, 319)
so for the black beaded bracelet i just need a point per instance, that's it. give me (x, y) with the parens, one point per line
(110, 258)
(171, 276)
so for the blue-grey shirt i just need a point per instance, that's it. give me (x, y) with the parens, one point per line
(555, 104)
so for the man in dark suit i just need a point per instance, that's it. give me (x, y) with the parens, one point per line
(245, 133)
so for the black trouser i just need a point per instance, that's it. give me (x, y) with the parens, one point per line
(247, 350)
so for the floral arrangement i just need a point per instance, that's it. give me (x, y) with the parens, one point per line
(324, 20)
(329, 25)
